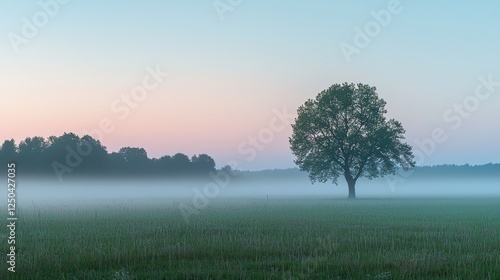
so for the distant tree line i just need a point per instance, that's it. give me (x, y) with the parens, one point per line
(72, 155)
(445, 171)
(453, 170)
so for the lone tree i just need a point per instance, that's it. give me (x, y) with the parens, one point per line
(344, 132)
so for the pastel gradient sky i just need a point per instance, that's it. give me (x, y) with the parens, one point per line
(227, 76)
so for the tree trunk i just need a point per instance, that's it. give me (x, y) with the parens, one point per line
(352, 190)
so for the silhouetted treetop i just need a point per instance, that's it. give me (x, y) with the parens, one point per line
(70, 154)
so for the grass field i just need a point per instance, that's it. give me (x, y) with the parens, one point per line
(263, 239)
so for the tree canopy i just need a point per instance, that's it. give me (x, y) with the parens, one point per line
(86, 156)
(344, 131)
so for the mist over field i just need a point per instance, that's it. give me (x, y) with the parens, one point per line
(272, 224)
(250, 185)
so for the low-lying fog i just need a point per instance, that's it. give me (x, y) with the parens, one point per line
(38, 192)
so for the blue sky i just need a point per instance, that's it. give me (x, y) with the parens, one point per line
(227, 76)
